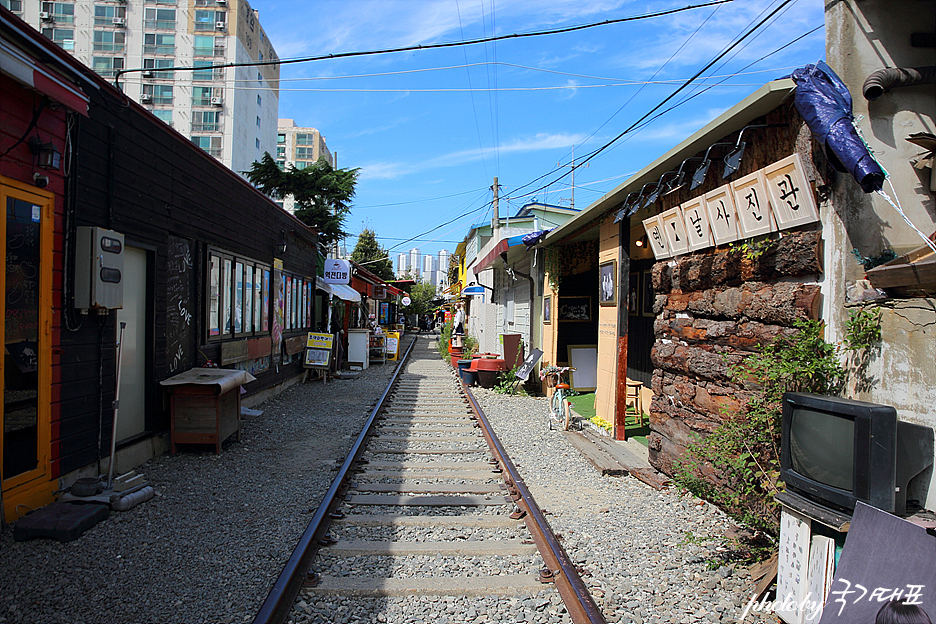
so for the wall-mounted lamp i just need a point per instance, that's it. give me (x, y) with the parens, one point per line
(47, 157)
(732, 159)
(699, 176)
(628, 207)
(281, 247)
(642, 241)
(680, 177)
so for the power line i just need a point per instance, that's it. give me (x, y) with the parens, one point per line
(429, 46)
(685, 84)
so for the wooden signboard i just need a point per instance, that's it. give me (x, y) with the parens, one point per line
(318, 350)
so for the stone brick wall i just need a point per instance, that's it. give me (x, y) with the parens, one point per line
(713, 308)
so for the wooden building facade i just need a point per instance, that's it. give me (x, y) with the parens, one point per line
(212, 270)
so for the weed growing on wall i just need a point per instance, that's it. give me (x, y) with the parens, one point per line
(737, 466)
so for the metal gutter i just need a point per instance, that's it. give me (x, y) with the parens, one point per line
(759, 103)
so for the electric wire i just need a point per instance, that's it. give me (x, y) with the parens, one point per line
(431, 46)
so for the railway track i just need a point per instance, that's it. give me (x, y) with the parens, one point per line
(427, 503)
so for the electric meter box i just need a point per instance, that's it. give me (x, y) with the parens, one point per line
(99, 259)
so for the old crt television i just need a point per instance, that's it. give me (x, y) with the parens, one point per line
(837, 452)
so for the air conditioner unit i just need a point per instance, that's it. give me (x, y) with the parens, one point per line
(220, 25)
(45, 16)
(146, 97)
(119, 21)
(149, 73)
(220, 44)
(217, 101)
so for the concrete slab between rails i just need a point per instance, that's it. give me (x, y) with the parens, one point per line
(460, 548)
(382, 437)
(420, 473)
(492, 522)
(375, 449)
(503, 585)
(423, 429)
(408, 465)
(426, 501)
(450, 415)
(436, 488)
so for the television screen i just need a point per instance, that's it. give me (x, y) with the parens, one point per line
(822, 447)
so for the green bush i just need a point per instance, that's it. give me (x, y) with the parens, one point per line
(737, 466)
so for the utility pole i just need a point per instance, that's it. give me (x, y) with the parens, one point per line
(495, 220)
(572, 199)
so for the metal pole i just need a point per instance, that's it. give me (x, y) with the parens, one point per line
(110, 467)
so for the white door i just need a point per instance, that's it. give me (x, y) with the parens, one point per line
(131, 414)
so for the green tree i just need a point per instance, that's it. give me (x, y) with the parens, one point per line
(421, 297)
(369, 253)
(322, 193)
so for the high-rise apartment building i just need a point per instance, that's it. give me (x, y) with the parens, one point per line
(402, 265)
(230, 112)
(429, 270)
(299, 147)
(414, 262)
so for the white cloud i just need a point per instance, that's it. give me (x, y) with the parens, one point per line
(536, 143)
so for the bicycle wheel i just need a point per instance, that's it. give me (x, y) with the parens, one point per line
(566, 414)
(553, 415)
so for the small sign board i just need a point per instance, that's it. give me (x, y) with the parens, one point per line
(527, 367)
(337, 271)
(318, 350)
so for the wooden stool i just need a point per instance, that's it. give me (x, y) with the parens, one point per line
(633, 392)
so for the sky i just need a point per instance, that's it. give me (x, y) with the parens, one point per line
(430, 129)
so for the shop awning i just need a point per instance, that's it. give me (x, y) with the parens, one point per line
(472, 290)
(339, 290)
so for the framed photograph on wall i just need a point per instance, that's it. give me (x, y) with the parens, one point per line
(607, 283)
(647, 294)
(547, 309)
(575, 309)
(633, 295)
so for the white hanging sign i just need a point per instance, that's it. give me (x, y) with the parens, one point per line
(337, 271)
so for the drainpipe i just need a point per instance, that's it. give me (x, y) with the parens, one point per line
(890, 77)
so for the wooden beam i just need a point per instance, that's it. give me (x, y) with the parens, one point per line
(623, 297)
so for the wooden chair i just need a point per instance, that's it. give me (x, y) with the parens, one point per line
(633, 392)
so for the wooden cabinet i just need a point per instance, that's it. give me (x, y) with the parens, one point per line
(205, 405)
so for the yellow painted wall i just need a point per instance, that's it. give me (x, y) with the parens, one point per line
(607, 327)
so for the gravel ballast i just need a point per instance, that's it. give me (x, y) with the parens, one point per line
(210, 545)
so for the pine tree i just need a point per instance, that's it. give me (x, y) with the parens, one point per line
(372, 256)
(322, 193)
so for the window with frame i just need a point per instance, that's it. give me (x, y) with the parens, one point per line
(109, 41)
(301, 164)
(61, 12)
(281, 139)
(206, 121)
(238, 296)
(211, 144)
(207, 74)
(159, 94)
(159, 18)
(105, 14)
(205, 20)
(63, 37)
(107, 65)
(154, 65)
(307, 153)
(305, 139)
(201, 96)
(158, 43)
(14, 5)
(164, 114)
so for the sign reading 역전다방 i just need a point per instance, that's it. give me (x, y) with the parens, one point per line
(337, 272)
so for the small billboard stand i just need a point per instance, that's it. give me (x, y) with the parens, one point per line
(318, 352)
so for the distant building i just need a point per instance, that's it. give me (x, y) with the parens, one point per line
(299, 147)
(413, 264)
(442, 267)
(428, 269)
(230, 113)
(402, 265)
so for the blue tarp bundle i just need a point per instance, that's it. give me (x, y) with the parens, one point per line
(534, 237)
(826, 105)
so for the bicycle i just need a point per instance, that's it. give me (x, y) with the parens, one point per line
(560, 409)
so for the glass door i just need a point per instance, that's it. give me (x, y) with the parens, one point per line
(26, 283)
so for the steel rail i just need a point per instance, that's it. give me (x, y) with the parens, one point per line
(578, 601)
(279, 603)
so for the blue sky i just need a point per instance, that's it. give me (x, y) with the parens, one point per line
(430, 129)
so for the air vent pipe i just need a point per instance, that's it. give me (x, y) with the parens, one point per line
(890, 77)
